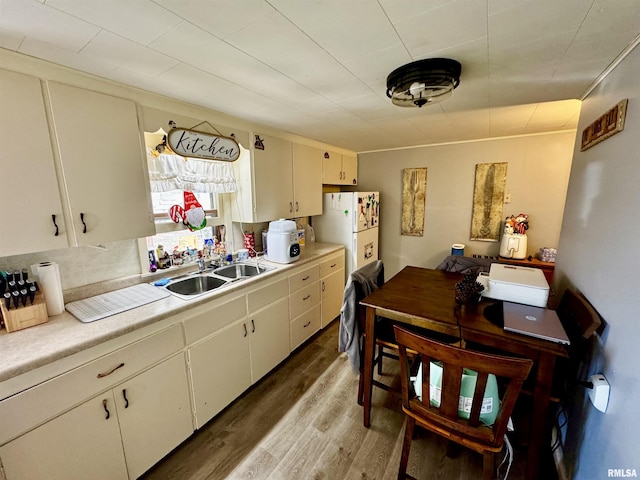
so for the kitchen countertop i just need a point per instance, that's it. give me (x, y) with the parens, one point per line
(64, 335)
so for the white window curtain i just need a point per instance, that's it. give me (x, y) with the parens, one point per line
(174, 172)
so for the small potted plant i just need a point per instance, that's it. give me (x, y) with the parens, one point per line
(468, 289)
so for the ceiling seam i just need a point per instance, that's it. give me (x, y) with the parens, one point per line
(473, 140)
(616, 61)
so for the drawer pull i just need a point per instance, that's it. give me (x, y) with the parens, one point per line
(245, 329)
(104, 405)
(333, 265)
(253, 326)
(305, 278)
(306, 298)
(305, 326)
(106, 374)
(126, 400)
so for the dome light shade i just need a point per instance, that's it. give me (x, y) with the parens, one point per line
(423, 82)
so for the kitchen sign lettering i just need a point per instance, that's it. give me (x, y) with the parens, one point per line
(191, 143)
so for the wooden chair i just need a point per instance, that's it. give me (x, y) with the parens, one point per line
(445, 420)
(580, 321)
(385, 342)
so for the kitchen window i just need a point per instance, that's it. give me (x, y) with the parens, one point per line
(163, 201)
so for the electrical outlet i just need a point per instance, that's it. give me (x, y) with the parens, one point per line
(599, 394)
(507, 197)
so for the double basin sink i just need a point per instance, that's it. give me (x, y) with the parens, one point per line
(199, 283)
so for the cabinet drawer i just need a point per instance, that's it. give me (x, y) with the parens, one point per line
(304, 299)
(333, 264)
(213, 319)
(305, 277)
(304, 326)
(266, 295)
(32, 407)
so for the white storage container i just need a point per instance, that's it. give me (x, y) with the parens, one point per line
(515, 284)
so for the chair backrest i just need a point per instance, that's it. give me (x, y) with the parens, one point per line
(510, 372)
(465, 265)
(580, 320)
(578, 317)
(361, 291)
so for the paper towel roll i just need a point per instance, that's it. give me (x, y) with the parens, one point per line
(49, 282)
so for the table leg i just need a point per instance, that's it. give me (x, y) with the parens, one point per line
(367, 369)
(539, 437)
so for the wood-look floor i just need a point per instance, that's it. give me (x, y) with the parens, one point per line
(302, 421)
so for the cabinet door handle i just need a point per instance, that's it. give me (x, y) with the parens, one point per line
(306, 298)
(323, 286)
(53, 217)
(104, 405)
(290, 207)
(106, 374)
(304, 326)
(253, 326)
(297, 207)
(126, 400)
(245, 329)
(84, 225)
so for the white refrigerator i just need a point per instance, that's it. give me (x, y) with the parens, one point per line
(351, 219)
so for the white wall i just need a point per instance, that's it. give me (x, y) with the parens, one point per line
(81, 266)
(598, 256)
(537, 176)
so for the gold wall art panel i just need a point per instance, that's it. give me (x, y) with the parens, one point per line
(606, 125)
(488, 200)
(414, 195)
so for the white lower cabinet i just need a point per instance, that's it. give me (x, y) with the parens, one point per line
(116, 435)
(220, 370)
(154, 412)
(235, 356)
(83, 443)
(304, 304)
(269, 338)
(332, 292)
(332, 286)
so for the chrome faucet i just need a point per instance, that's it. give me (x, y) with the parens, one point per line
(258, 258)
(200, 264)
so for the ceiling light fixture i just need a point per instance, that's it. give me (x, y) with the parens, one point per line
(423, 82)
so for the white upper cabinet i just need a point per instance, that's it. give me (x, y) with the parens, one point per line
(339, 169)
(28, 181)
(307, 184)
(280, 180)
(102, 163)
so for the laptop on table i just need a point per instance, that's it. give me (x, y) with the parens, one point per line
(534, 321)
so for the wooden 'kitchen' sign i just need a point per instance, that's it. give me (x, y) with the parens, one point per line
(192, 143)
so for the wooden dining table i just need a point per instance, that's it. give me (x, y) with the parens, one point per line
(426, 298)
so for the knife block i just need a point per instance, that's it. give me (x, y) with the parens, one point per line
(27, 316)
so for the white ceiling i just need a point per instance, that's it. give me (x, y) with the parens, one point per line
(318, 68)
